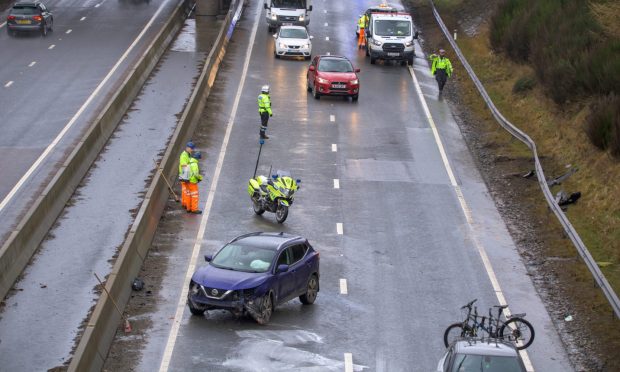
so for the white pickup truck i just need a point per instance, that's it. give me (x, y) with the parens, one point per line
(391, 37)
(287, 12)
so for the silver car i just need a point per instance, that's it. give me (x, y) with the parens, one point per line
(488, 355)
(293, 41)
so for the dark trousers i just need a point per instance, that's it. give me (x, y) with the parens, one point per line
(441, 77)
(264, 120)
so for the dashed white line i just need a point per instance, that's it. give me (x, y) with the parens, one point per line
(336, 183)
(348, 362)
(326, 24)
(466, 210)
(324, 10)
(334, 147)
(332, 118)
(181, 305)
(8, 84)
(97, 5)
(52, 46)
(68, 31)
(326, 38)
(64, 130)
(83, 18)
(343, 286)
(339, 228)
(32, 63)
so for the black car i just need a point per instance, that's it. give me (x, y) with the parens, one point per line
(29, 16)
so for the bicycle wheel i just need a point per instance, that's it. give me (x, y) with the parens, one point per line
(455, 332)
(519, 331)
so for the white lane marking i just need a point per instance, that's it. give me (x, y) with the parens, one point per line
(324, 10)
(64, 130)
(465, 208)
(83, 18)
(343, 286)
(32, 63)
(334, 147)
(336, 183)
(52, 47)
(97, 5)
(339, 228)
(68, 31)
(332, 118)
(328, 53)
(2, 24)
(181, 305)
(326, 24)
(326, 38)
(8, 84)
(348, 362)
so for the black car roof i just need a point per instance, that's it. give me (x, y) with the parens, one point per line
(267, 240)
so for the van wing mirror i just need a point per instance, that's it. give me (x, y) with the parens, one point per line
(265, 6)
(310, 8)
(417, 33)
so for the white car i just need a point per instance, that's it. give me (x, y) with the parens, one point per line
(293, 41)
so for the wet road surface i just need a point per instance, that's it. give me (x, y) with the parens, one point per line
(409, 235)
(57, 289)
(45, 83)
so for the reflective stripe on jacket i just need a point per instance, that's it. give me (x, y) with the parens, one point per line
(264, 103)
(440, 63)
(194, 171)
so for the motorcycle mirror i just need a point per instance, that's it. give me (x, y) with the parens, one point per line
(208, 257)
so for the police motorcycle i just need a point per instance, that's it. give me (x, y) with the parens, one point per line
(273, 194)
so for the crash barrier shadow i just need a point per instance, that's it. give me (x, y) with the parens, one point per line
(569, 230)
(25, 239)
(99, 333)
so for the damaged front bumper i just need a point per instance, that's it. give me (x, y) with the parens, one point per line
(236, 301)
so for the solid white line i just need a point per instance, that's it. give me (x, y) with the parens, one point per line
(83, 18)
(465, 208)
(334, 147)
(32, 63)
(8, 84)
(181, 305)
(2, 24)
(52, 46)
(326, 38)
(343, 286)
(336, 183)
(348, 362)
(64, 130)
(332, 118)
(339, 228)
(68, 31)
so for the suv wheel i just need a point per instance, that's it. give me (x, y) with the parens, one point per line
(44, 29)
(312, 290)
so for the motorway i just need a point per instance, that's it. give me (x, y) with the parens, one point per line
(52, 87)
(392, 199)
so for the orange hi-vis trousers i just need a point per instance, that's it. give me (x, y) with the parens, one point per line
(185, 194)
(194, 196)
(361, 41)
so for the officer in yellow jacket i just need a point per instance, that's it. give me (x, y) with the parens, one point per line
(441, 68)
(264, 110)
(194, 179)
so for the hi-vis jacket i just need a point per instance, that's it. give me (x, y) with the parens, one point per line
(440, 63)
(264, 103)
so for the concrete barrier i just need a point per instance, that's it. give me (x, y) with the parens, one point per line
(103, 323)
(23, 242)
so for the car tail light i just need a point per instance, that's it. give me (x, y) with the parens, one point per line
(37, 18)
(10, 18)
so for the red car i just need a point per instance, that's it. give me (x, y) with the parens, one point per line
(334, 76)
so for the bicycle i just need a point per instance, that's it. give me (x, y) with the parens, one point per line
(515, 328)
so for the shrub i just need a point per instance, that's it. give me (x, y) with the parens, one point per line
(524, 84)
(603, 123)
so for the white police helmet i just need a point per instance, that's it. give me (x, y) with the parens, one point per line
(265, 89)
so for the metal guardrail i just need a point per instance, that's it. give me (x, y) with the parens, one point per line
(598, 276)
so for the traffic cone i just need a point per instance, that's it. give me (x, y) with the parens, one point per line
(127, 326)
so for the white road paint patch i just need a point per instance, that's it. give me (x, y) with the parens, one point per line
(2, 24)
(83, 18)
(64, 130)
(334, 147)
(329, 54)
(466, 211)
(181, 305)
(332, 118)
(8, 84)
(32, 63)
(324, 10)
(326, 38)
(343, 287)
(336, 183)
(68, 31)
(339, 228)
(348, 362)
(326, 24)
(52, 47)
(280, 351)
(97, 5)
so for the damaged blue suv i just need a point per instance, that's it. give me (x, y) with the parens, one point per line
(254, 273)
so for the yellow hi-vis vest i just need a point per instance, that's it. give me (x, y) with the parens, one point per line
(264, 103)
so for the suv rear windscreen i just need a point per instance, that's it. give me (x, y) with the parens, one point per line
(391, 27)
(24, 10)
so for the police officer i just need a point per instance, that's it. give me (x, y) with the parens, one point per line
(264, 110)
(441, 68)
(184, 173)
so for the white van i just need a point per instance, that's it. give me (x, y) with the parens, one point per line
(287, 12)
(390, 37)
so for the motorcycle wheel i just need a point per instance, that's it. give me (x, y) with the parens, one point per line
(257, 208)
(281, 213)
